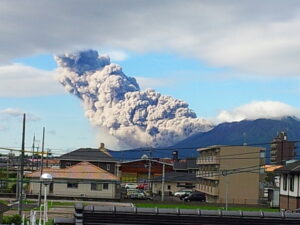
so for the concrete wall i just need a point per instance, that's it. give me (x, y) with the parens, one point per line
(83, 190)
(246, 187)
(244, 180)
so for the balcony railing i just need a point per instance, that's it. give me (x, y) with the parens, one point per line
(208, 160)
(209, 189)
(212, 175)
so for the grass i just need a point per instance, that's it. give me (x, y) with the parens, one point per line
(205, 207)
(4, 202)
(51, 204)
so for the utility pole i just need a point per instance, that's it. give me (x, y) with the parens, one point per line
(18, 182)
(163, 182)
(281, 155)
(42, 165)
(225, 174)
(7, 167)
(149, 169)
(22, 168)
(47, 158)
(32, 158)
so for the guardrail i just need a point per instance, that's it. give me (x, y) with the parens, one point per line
(90, 214)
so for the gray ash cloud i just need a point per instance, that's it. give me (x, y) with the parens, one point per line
(115, 102)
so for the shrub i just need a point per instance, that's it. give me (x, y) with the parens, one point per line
(16, 219)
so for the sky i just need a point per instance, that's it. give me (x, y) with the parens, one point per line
(229, 60)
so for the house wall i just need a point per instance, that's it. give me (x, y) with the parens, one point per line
(83, 190)
(290, 198)
(288, 191)
(169, 186)
(138, 170)
(289, 202)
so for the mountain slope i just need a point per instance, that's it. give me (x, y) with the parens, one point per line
(258, 132)
(251, 132)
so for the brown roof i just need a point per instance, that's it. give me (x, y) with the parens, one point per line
(271, 168)
(82, 170)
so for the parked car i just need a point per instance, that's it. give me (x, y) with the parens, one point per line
(182, 193)
(195, 196)
(131, 186)
(137, 194)
(140, 195)
(143, 186)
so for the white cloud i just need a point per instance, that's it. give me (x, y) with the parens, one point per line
(258, 109)
(255, 36)
(116, 55)
(18, 80)
(17, 113)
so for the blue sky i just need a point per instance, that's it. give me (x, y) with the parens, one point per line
(242, 63)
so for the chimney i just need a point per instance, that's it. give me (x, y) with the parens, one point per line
(175, 156)
(103, 149)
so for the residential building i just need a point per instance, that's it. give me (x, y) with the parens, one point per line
(272, 185)
(188, 165)
(232, 171)
(83, 180)
(281, 149)
(139, 170)
(99, 157)
(174, 181)
(289, 186)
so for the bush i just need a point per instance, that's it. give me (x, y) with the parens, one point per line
(16, 219)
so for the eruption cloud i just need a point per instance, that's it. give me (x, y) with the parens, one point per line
(115, 102)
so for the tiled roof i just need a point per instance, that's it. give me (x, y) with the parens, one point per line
(271, 168)
(88, 154)
(186, 164)
(146, 160)
(293, 168)
(177, 177)
(82, 170)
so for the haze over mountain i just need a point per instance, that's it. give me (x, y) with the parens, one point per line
(258, 132)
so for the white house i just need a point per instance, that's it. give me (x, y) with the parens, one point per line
(289, 186)
(80, 180)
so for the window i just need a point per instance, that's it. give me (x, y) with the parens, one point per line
(72, 185)
(284, 182)
(96, 187)
(292, 183)
(105, 186)
(68, 164)
(169, 187)
(107, 166)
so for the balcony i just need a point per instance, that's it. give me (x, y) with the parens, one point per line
(211, 175)
(209, 189)
(208, 160)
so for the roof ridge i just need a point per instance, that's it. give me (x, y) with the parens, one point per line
(296, 167)
(91, 164)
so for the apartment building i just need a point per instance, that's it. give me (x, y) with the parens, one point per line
(281, 149)
(232, 171)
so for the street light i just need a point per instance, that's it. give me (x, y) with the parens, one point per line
(46, 179)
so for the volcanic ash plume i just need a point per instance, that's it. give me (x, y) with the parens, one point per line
(115, 102)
